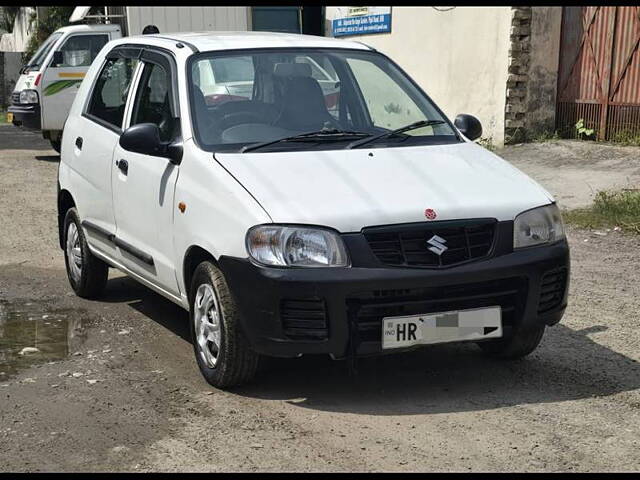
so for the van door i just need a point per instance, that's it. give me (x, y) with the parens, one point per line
(95, 134)
(63, 74)
(144, 185)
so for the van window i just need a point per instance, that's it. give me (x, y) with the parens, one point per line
(111, 89)
(81, 50)
(152, 103)
(225, 79)
(35, 62)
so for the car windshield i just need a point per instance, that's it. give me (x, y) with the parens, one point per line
(305, 99)
(35, 62)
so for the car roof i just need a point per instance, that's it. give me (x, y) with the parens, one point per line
(89, 28)
(215, 41)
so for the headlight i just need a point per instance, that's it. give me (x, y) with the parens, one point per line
(290, 246)
(28, 96)
(537, 226)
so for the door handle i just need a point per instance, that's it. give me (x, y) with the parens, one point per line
(79, 143)
(123, 165)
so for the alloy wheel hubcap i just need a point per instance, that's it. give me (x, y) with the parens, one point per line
(74, 254)
(207, 319)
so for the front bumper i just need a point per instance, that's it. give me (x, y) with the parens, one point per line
(26, 116)
(283, 310)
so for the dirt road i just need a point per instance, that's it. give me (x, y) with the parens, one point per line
(114, 386)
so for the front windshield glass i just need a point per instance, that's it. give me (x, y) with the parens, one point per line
(36, 61)
(246, 98)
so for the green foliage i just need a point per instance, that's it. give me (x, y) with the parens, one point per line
(627, 137)
(54, 18)
(8, 17)
(582, 131)
(545, 136)
(609, 209)
(487, 143)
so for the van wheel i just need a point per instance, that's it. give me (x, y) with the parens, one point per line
(55, 144)
(520, 345)
(87, 274)
(222, 351)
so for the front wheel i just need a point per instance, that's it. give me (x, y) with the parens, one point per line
(221, 349)
(519, 345)
(87, 274)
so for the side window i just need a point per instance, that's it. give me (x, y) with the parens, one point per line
(152, 104)
(81, 50)
(397, 109)
(110, 91)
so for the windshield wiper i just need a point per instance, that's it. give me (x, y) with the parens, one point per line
(331, 134)
(406, 128)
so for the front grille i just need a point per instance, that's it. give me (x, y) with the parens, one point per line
(304, 319)
(407, 245)
(369, 308)
(552, 288)
(15, 98)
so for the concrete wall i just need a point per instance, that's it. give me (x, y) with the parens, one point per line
(17, 40)
(543, 69)
(10, 64)
(187, 19)
(459, 57)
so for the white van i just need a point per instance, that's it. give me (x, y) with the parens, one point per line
(325, 207)
(50, 79)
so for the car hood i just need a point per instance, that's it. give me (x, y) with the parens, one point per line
(352, 189)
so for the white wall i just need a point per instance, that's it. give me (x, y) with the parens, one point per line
(459, 57)
(187, 19)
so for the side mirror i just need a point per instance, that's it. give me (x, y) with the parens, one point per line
(144, 138)
(469, 126)
(58, 58)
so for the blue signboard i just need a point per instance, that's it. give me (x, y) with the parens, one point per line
(361, 25)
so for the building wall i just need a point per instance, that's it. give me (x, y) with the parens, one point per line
(10, 64)
(543, 69)
(459, 57)
(187, 19)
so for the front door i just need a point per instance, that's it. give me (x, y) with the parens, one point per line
(143, 191)
(63, 75)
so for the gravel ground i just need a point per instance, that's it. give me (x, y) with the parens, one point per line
(115, 387)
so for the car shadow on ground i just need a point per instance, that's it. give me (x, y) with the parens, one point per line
(48, 158)
(568, 365)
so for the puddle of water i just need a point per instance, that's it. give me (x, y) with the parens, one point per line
(56, 333)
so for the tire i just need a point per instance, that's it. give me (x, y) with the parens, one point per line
(520, 345)
(55, 144)
(89, 280)
(230, 361)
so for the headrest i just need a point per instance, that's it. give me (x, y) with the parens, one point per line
(292, 69)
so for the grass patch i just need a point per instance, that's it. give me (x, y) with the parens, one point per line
(545, 136)
(3, 116)
(609, 209)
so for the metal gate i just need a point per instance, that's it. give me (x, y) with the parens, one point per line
(599, 71)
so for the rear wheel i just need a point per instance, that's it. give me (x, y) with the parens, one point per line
(87, 274)
(221, 349)
(55, 144)
(519, 345)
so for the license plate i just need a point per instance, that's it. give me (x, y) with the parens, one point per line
(9, 117)
(443, 327)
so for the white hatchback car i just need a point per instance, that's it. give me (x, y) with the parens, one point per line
(346, 217)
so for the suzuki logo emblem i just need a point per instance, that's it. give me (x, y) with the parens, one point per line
(437, 245)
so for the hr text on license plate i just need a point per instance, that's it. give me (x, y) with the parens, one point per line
(443, 327)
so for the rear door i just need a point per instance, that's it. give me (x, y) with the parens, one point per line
(143, 191)
(60, 80)
(95, 134)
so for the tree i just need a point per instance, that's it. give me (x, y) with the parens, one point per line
(8, 18)
(54, 18)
